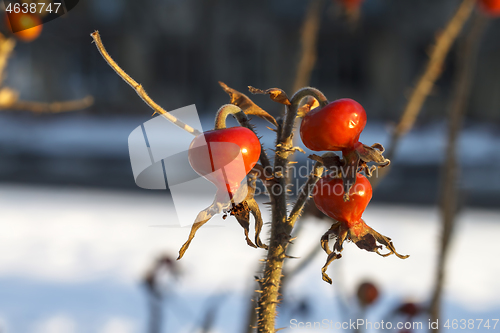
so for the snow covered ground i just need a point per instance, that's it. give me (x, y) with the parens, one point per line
(71, 261)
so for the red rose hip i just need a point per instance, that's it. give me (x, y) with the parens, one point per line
(335, 127)
(328, 196)
(225, 156)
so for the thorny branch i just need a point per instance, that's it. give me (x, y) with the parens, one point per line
(281, 225)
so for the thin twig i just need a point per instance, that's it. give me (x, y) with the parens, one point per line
(449, 204)
(298, 207)
(308, 40)
(6, 47)
(305, 192)
(53, 107)
(138, 88)
(433, 70)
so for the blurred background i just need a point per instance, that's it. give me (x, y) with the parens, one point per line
(80, 240)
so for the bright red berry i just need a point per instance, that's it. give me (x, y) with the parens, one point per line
(335, 127)
(225, 156)
(367, 293)
(328, 196)
(491, 7)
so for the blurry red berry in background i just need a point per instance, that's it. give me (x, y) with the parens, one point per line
(351, 4)
(491, 7)
(367, 293)
(411, 309)
(28, 26)
(334, 127)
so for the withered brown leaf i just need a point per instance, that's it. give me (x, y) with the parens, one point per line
(275, 94)
(246, 104)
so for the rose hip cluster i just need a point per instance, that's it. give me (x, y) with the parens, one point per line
(228, 157)
(344, 193)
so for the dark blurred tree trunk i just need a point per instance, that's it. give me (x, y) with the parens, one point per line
(155, 314)
(467, 54)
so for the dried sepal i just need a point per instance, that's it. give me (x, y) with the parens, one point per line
(246, 104)
(249, 205)
(330, 160)
(367, 169)
(275, 94)
(352, 162)
(362, 235)
(356, 160)
(334, 231)
(203, 217)
(373, 154)
(340, 233)
(254, 207)
(242, 214)
(218, 206)
(257, 215)
(386, 241)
